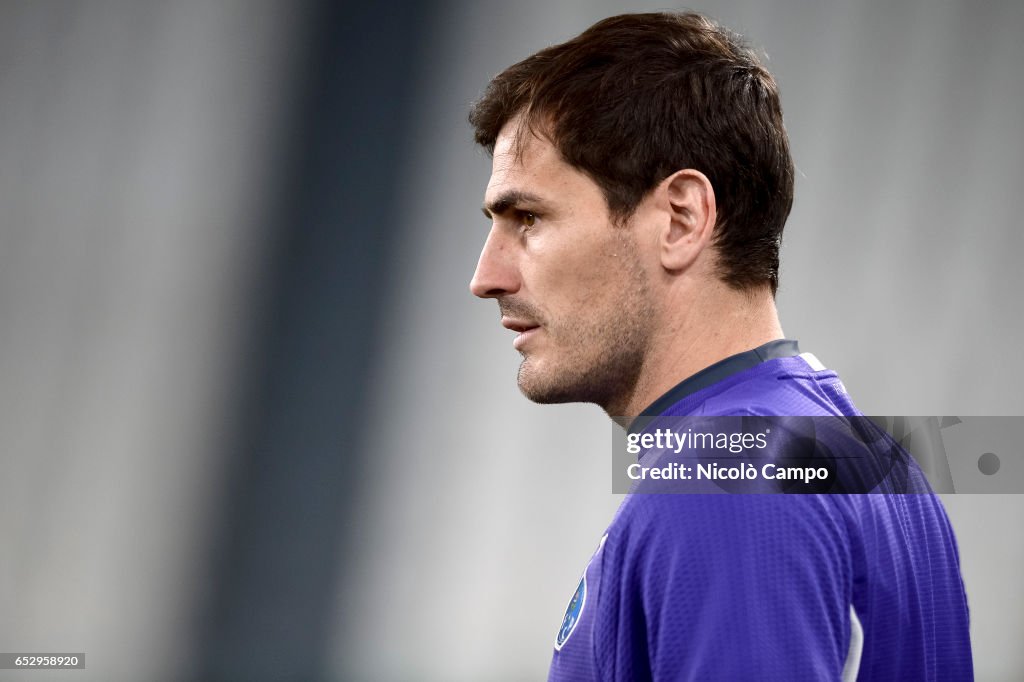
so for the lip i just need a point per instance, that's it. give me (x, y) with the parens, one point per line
(525, 328)
(523, 337)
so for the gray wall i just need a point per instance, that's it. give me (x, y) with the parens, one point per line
(200, 347)
(135, 144)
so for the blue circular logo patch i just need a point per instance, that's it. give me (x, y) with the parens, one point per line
(572, 613)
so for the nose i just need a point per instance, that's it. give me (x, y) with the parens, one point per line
(496, 272)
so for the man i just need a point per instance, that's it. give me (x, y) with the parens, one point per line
(641, 181)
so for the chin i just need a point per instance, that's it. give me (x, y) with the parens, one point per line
(548, 395)
(550, 386)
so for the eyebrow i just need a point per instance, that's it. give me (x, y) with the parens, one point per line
(507, 200)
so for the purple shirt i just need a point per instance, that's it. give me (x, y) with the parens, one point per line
(772, 586)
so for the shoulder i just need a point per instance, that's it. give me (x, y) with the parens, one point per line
(715, 529)
(771, 571)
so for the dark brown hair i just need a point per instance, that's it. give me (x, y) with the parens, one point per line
(635, 98)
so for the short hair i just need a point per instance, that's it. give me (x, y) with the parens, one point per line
(635, 98)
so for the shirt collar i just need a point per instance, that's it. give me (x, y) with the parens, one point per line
(781, 348)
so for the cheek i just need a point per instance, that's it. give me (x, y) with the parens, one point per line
(568, 275)
(580, 283)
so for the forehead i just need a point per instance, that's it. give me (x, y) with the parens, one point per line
(532, 164)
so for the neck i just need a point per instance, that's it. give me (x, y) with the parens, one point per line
(719, 323)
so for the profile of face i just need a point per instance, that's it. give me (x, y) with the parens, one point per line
(567, 278)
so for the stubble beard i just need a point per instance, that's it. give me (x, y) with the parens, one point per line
(600, 358)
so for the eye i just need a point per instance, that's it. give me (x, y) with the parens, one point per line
(528, 218)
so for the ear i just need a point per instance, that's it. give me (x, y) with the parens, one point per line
(688, 200)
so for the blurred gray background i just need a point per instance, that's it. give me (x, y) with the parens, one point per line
(253, 425)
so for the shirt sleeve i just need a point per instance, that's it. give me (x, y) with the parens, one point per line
(725, 587)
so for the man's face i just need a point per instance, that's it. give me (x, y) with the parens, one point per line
(567, 279)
